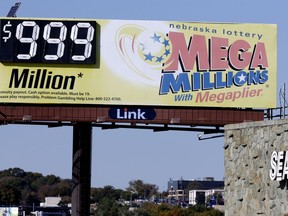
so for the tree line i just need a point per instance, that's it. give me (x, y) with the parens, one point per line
(20, 188)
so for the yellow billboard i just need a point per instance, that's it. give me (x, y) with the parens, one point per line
(128, 62)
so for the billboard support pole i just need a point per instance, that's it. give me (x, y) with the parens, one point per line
(81, 169)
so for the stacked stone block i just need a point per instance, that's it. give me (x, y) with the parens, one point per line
(248, 188)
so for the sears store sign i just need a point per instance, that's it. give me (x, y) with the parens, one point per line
(279, 166)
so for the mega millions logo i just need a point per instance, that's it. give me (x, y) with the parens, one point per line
(153, 47)
(144, 52)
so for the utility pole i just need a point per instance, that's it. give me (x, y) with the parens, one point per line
(284, 100)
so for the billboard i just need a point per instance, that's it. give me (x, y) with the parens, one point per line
(8, 211)
(129, 62)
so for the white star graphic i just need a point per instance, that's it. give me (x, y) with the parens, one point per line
(242, 78)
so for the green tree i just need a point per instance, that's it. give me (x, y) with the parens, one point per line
(10, 191)
(15, 172)
(30, 199)
(28, 188)
(50, 180)
(109, 207)
(63, 188)
(109, 192)
(125, 195)
(143, 190)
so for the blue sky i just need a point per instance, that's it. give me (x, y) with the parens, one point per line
(122, 155)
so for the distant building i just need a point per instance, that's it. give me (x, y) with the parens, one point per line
(178, 190)
(51, 208)
(51, 202)
(206, 197)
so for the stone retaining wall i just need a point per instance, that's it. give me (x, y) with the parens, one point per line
(248, 188)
